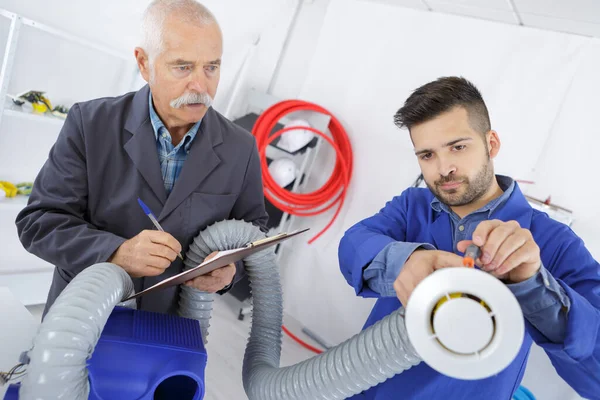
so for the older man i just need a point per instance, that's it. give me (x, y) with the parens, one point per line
(163, 144)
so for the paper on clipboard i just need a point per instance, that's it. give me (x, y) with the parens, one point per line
(221, 259)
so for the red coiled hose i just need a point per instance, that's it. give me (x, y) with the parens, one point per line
(333, 191)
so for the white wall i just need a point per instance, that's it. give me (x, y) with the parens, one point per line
(115, 23)
(539, 87)
(568, 163)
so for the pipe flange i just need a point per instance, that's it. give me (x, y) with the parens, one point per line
(464, 323)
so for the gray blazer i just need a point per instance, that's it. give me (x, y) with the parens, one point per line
(84, 201)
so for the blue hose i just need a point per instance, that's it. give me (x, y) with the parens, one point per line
(523, 393)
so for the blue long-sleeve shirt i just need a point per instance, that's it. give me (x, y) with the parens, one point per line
(410, 218)
(543, 301)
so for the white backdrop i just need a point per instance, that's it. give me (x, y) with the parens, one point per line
(569, 160)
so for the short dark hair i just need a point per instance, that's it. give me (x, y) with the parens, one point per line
(440, 96)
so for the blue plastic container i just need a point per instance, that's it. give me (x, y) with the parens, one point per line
(523, 393)
(146, 356)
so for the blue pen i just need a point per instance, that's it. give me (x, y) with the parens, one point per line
(153, 219)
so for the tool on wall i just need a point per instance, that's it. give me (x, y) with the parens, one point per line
(39, 103)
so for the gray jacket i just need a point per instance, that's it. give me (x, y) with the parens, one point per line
(84, 201)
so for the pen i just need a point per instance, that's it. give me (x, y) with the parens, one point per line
(153, 219)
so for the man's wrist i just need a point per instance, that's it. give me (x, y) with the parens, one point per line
(226, 288)
(517, 278)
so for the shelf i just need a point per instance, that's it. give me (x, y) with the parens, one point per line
(14, 203)
(65, 35)
(51, 119)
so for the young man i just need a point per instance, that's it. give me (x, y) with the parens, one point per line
(164, 144)
(543, 263)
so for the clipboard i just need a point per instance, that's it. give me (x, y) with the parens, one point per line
(221, 259)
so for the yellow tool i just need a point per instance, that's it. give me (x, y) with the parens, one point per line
(10, 189)
(38, 101)
(24, 188)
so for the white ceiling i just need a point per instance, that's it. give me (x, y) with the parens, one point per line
(581, 17)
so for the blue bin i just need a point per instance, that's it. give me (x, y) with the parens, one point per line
(523, 393)
(146, 356)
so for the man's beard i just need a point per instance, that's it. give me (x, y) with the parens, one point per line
(475, 189)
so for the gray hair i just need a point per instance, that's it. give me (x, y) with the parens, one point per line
(190, 11)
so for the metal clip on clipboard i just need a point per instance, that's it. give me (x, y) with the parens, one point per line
(221, 259)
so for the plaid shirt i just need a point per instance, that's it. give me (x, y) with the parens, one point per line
(171, 157)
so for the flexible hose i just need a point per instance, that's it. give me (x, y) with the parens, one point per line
(333, 191)
(70, 331)
(298, 203)
(365, 360)
(72, 327)
(197, 304)
(193, 303)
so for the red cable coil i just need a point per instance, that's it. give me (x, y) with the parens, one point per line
(333, 191)
(322, 199)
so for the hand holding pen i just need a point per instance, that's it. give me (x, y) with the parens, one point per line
(150, 215)
(149, 253)
(211, 282)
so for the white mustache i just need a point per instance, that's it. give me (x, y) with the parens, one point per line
(192, 98)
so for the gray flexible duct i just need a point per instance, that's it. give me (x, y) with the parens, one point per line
(70, 331)
(72, 327)
(365, 360)
(194, 303)
(224, 235)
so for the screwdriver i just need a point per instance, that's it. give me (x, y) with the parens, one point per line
(473, 252)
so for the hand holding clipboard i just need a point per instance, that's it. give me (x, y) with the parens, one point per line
(221, 259)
